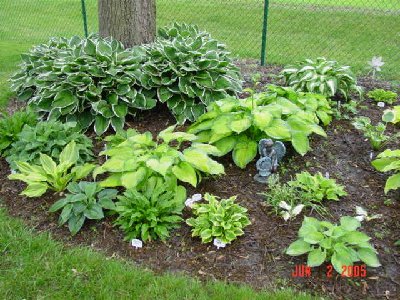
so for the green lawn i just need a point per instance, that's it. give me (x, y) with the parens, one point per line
(34, 266)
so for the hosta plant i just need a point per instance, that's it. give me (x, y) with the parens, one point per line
(151, 212)
(138, 157)
(218, 219)
(341, 244)
(190, 70)
(48, 138)
(322, 76)
(380, 95)
(85, 200)
(237, 125)
(317, 187)
(50, 175)
(11, 126)
(392, 115)
(389, 161)
(374, 133)
(90, 81)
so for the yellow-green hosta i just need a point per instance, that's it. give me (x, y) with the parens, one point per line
(389, 161)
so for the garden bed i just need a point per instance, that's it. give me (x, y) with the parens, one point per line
(257, 258)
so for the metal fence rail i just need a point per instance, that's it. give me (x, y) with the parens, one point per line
(350, 31)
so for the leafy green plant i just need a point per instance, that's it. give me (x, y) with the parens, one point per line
(392, 115)
(374, 133)
(152, 211)
(321, 76)
(190, 70)
(317, 187)
(345, 111)
(281, 114)
(138, 157)
(85, 200)
(48, 138)
(49, 175)
(92, 80)
(389, 161)
(11, 126)
(221, 219)
(381, 95)
(342, 244)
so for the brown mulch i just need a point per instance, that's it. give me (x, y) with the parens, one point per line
(257, 258)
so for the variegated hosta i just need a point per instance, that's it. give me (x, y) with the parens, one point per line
(321, 76)
(84, 80)
(189, 69)
(131, 162)
(238, 124)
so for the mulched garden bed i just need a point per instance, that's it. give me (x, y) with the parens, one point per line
(257, 258)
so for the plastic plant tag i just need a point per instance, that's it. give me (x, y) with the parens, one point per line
(136, 243)
(219, 244)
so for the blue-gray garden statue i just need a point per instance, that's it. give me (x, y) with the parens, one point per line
(271, 153)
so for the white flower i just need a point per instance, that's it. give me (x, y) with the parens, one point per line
(290, 211)
(136, 243)
(376, 63)
(196, 197)
(190, 201)
(362, 215)
(219, 244)
(381, 104)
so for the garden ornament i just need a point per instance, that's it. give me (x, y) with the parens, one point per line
(271, 153)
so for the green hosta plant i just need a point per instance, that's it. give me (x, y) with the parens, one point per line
(374, 133)
(341, 244)
(381, 95)
(392, 115)
(238, 124)
(135, 159)
(317, 187)
(389, 161)
(92, 80)
(190, 70)
(152, 211)
(85, 200)
(11, 126)
(49, 175)
(48, 138)
(220, 219)
(321, 76)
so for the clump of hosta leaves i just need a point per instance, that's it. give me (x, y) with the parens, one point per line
(152, 211)
(220, 219)
(238, 124)
(85, 200)
(341, 244)
(137, 157)
(374, 133)
(321, 76)
(190, 70)
(48, 138)
(317, 187)
(380, 95)
(47, 174)
(11, 126)
(392, 115)
(92, 80)
(389, 161)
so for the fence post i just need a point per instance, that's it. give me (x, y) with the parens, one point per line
(84, 17)
(264, 33)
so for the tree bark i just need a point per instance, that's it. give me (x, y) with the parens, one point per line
(132, 22)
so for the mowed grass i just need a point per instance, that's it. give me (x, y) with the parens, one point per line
(295, 32)
(34, 266)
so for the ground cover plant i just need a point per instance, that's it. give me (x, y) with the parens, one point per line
(380, 95)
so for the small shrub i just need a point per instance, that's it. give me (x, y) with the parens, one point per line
(389, 161)
(321, 76)
(374, 133)
(220, 219)
(49, 175)
(48, 138)
(381, 95)
(151, 212)
(11, 126)
(85, 200)
(342, 245)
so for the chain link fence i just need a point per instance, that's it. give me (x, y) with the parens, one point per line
(350, 31)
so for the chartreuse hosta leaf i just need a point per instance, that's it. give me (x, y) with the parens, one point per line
(392, 115)
(50, 175)
(389, 161)
(341, 244)
(221, 219)
(280, 113)
(134, 157)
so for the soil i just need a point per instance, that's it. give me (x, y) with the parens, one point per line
(257, 258)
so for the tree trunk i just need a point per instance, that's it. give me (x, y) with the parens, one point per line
(132, 22)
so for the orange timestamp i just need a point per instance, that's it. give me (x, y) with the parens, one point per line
(347, 271)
